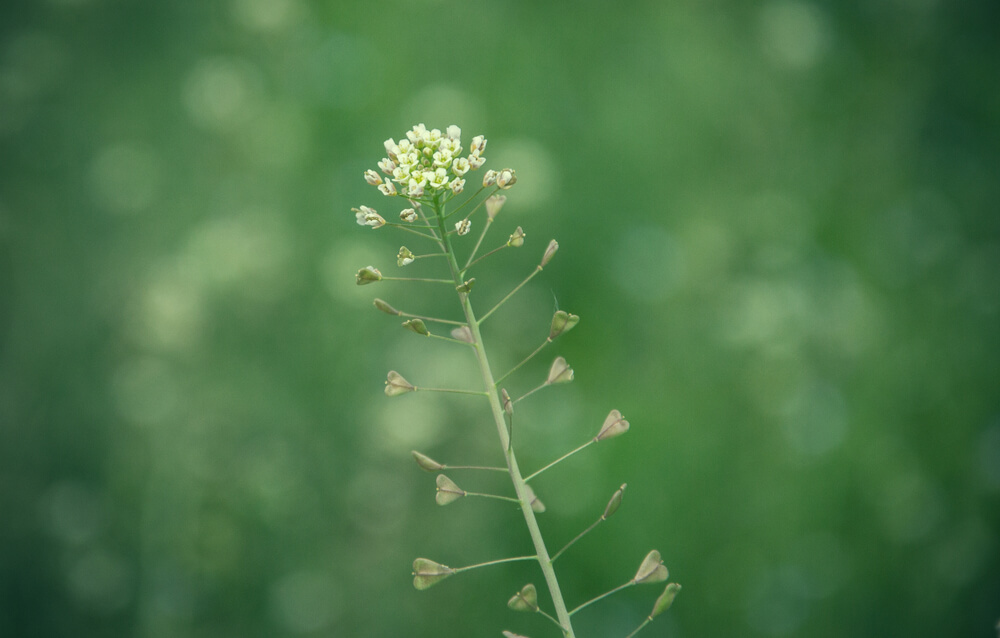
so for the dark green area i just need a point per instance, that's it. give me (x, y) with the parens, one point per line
(778, 222)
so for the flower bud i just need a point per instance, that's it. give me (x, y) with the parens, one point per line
(524, 600)
(466, 286)
(368, 275)
(427, 573)
(536, 504)
(494, 204)
(665, 600)
(395, 384)
(506, 178)
(516, 239)
(367, 216)
(560, 372)
(549, 252)
(457, 185)
(463, 227)
(447, 491)
(614, 503)
(562, 322)
(386, 165)
(462, 333)
(408, 215)
(508, 405)
(418, 326)
(372, 177)
(404, 257)
(652, 570)
(386, 308)
(489, 178)
(614, 425)
(388, 189)
(426, 463)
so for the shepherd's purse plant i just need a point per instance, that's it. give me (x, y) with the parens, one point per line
(424, 176)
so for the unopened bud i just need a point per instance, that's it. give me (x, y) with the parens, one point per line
(508, 405)
(560, 372)
(489, 178)
(463, 227)
(516, 239)
(417, 326)
(368, 275)
(506, 178)
(562, 322)
(524, 600)
(447, 490)
(494, 204)
(614, 425)
(427, 573)
(462, 333)
(536, 504)
(426, 463)
(613, 504)
(408, 215)
(386, 308)
(549, 252)
(395, 384)
(373, 178)
(665, 600)
(466, 286)
(404, 257)
(652, 570)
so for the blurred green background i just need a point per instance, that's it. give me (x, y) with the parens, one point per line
(778, 222)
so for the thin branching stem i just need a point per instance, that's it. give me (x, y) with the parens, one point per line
(414, 231)
(492, 562)
(444, 338)
(537, 270)
(525, 360)
(648, 620)
(450, 390)
(530, 392)
(435, 319)
(578, 537)
(495, 250)
(602, 596)
(495, 496)
(433, 281)
(475, 249)
(472, 467)
(558, 460)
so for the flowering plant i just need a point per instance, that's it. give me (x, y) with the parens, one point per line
(427, 170)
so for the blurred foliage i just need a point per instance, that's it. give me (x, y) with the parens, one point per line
(778, 224)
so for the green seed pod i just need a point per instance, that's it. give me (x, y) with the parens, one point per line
(524, 600)
(665, 600)
(427, 573)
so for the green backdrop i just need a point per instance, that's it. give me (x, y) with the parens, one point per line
(778, 222)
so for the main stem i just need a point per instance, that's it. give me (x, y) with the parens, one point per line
(520, 486)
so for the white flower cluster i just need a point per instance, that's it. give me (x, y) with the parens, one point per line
(425, 162)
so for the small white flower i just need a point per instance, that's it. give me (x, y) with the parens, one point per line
(368, 217)
(475, 161)
(408, 159)
(408, 215)
(506, 178)
(460, 166)
(463, 227)
(387, 166)
(417, 133)
(442, 159)
(478, 144)
(401, 174)
(390, 147)
(453, 132)
(490, 178)
(453, 146)
(387, 189)
(457, 185)
(404, 146)
(415, 188)
(433, 137)
(437, 179)
(372, 177)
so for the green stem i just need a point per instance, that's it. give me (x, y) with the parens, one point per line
(492, 562)
(537, 270)
(520, 487)
(525, 360)
(602, 596)
(561, 458)
(494, 496)
(648, 620)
